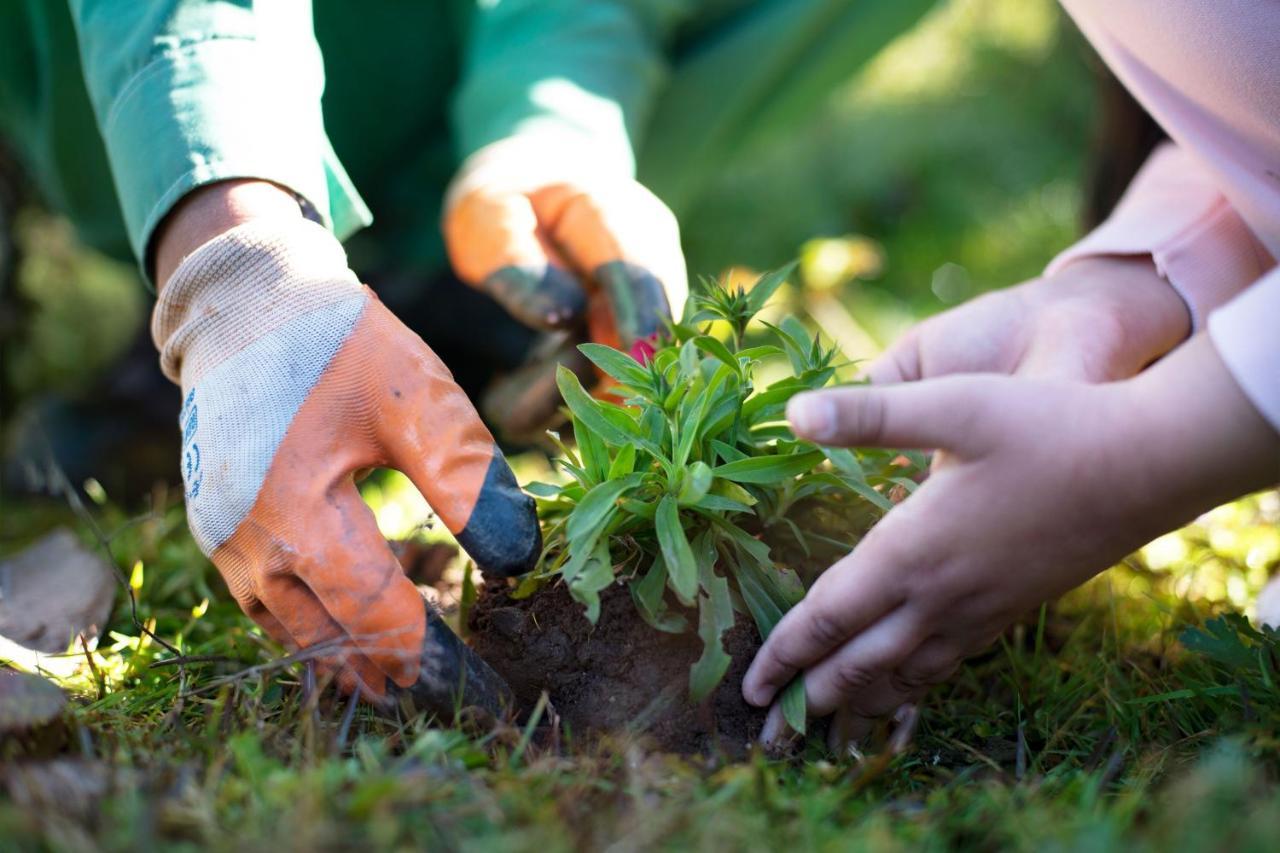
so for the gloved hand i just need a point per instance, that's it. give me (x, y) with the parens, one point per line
(558, 239)
(294, 376)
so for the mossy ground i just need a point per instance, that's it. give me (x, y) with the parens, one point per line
(1089, 726)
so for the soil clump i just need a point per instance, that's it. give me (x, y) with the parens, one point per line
(620, 676)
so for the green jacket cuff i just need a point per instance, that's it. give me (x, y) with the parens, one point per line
(587, 71)
(217, 109)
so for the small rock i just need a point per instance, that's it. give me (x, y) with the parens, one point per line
(53, 592)
(28, 702)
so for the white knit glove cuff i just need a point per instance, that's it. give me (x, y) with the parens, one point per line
(240, 287)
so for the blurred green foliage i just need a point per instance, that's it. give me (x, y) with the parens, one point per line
(961, 145)
(959, 151)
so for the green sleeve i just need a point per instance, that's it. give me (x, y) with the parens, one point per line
(576, 70)
(187, 92)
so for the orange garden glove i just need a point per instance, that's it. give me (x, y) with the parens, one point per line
(559, 239)
(295, 376)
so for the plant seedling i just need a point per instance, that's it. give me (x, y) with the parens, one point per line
(688, 488)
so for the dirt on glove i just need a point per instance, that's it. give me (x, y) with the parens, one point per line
(620, 676)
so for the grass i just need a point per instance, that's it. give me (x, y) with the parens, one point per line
(1091, 725)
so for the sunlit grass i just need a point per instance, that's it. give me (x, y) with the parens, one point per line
(1127, 739)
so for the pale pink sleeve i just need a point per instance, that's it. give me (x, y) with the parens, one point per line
(1173, 212)
(1246, 332)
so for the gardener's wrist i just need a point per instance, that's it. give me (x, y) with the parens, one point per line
(1200, 442)
(212, 210)
(1129, 298)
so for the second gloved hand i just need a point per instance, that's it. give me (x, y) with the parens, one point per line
(294, 376)
(559, 239)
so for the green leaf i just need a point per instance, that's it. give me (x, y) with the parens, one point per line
(691, 424)
(769, 469)
(734, 492)
(682, 571)
(845, 461)
(867, 491)
(715, 616)
(1220, 639)
(793, 705)
(593, 509)
(596, 575)
(765, 287)
(589, 412)
(722, 414)
(717, 350)
(688, 362)
(639, 508)
(906, 482)
(757, 353)
(776, 394)
(694, 483)
(617, 364)
(543, 490)
(653, 425)
(624, 463)
(647, 595)
(726, 452)
(717, 503)
(766, 612)
(594, 453)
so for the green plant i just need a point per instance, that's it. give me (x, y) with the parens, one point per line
(689, 487)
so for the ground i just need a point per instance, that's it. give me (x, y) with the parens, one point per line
(1113, 719)
(1127, 716)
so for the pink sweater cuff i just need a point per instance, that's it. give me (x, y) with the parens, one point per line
(1174, 212)
(1246, 333)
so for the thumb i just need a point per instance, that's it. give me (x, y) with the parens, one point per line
(945, 414)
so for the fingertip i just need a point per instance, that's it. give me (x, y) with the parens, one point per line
(637, 300)
(813, 416)
(565, 295)
(774, 730)
(542, 296)
(502, 534)
(756, 690)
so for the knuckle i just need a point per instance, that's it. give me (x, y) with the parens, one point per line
(869, 417)
(784, 658)
(910, 679)
(849, 677)
(823, 628)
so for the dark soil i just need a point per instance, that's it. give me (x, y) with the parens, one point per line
(620, 676)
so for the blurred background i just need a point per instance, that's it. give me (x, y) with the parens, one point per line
(955, 162)
(960, 159)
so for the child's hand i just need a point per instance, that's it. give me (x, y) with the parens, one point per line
(1037, 485)
(1097, 319)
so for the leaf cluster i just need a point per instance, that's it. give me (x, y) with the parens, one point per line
(679, 483)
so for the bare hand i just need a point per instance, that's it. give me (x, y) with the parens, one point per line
(1037, 486)
(1098, 319)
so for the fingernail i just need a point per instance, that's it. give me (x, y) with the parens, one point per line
(813, 416)
(774, 726)
(755, 694)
